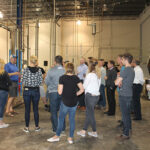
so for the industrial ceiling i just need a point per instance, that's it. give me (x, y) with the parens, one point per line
(44, 9)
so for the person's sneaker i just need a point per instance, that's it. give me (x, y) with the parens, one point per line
(81, 133)
(122, 137)
(26, 130)
(37, 129)
(4, 125)
(94, 134)
(70, 141)
(53, 139)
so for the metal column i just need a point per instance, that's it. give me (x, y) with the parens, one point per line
(28, 54)
(36, 37)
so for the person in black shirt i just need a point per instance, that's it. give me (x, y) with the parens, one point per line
(5, 82)
(110, 84)
(68, 88)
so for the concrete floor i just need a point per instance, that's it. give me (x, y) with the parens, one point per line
(13, 138)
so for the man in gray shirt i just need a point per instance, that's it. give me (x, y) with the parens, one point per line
(125, 83)
(52, 80)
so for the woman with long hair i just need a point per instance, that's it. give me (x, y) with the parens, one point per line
(91, 86)
(5, 82)
(32, 79)
(68, 85)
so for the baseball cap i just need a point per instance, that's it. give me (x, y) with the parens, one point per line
(13, 56)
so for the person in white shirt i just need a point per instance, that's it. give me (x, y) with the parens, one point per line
(137, 89)
(91, 86)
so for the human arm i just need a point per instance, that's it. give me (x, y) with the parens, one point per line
(60, 89)
(81, 89)
(48, 78)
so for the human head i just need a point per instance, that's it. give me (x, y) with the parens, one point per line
(82, 60)
(110, 64)
(101, 62)
(119, 59)
(127, 59)
(33, 60)
(92, 67)
(135, 63)
(59, 60)
(69, 67)
(13, 59)
(2, 64)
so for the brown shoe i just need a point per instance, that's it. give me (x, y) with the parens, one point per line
(82, 108)
(122, 137)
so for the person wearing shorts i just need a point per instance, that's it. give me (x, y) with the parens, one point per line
(14, 74)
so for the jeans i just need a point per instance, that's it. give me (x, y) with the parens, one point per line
(137, 89)
(31, 95)
(90, 102)
(3, 101)
(102, 101)
(125, 106)
(55, 101)
(64, 110)
(111, 101)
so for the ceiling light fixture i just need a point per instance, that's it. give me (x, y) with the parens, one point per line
(1, 14)
(105, 7)
(78, 22)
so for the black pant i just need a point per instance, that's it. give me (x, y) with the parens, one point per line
(111, 101)
(81, 99)
(137, 90)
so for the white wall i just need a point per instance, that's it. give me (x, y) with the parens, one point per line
(113, 37)
(4, 44)
(45, 32)
(145, 39)
(145, 35)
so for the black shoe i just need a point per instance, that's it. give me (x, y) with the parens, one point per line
(137, 119)
(109, 114)
(106, 112)
(120, 125)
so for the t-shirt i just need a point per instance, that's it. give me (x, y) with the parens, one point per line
(43, 71)
(70, 88)
(11, 68)
(128, 77)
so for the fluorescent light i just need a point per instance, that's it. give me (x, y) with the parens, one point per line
(78, 22)
(1, 15)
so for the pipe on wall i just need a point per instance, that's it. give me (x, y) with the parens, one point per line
(36, 38)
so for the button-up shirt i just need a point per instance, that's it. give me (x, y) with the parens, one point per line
(82, 71)
(139, 76)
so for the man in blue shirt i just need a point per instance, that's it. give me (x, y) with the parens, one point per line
(14, 74)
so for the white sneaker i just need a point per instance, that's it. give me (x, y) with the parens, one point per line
(93, 134)
(81, 134)
(26, 130)
(4, 125)
(70, 141)
(53, 139)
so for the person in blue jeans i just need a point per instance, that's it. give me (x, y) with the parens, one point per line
(102, 101)
(32, 79)
(52, 81)
(68, 88)
(125, 84)
(5, 82)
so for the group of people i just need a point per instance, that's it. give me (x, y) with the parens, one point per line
(68, 91)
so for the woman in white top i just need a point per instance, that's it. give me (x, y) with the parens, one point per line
(91, 86)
